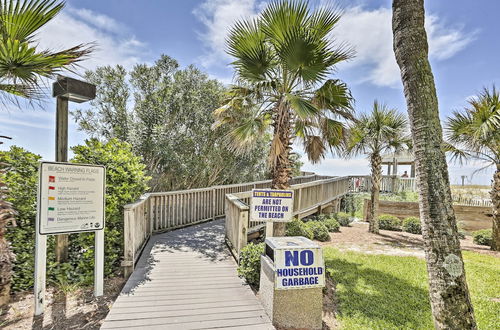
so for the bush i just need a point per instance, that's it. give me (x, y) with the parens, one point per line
(389, 222)
(483, 237)
(320, 231)
(125, 182)
(21, 178)
(412, 225)
(344, 219)
(298, 228)
(332, 224)
(249, 267)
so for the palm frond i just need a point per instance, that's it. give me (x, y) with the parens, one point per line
(302, 107)
(19, 20)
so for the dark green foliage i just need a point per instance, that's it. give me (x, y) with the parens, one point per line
(389, 222)
(483, 237)
(249, 267)
(412, 225)
(332, 224)
(298, 228)
(22, 179)
(320, 231)
(125, 182)
(343, 218)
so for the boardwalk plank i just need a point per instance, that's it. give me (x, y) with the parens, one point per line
(186, 279)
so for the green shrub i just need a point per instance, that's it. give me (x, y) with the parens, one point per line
(483, 237)
(21, 178)
(125, 182)
(461, 234)
(344, 219)
(320, 231)
(389, 222)
(332, 224)
(297, 227)
(249, 267)
(412, 225)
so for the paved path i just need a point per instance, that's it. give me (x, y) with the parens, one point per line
(186, 279)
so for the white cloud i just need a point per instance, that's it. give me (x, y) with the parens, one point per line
(218, 16)
(99, 21)
(370, 33)
(367, 30)
(79, 26)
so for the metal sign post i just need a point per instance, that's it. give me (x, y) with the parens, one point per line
(70, 200)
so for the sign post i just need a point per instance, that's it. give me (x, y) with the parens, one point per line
(70, 200)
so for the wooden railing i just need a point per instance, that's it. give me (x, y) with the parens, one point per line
(389, 183)
(309, 198)
(164, 211)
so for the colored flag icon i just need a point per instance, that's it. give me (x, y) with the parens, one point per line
(52, 178)
(52, 188)
(51, 208)
(52, 198)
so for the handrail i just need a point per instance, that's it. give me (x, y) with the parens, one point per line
(309, 198)
(163, 211)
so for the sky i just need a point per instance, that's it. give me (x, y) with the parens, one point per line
(463, 45)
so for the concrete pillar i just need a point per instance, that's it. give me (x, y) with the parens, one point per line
(292, 305)
(412, 170)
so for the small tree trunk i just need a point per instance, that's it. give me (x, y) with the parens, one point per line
(449, 295)
(376, 162)
(281, 170)
(495, 201)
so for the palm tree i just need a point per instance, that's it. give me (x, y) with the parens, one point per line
(282, 62)
(475, 133)
(380, 131)
(22, 64)
(449, 294)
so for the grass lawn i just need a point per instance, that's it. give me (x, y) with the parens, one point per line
(391, 292)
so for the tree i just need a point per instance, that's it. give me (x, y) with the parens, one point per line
(282, 62)
(165, 113)
(22, 64)
(380, 131)
(475, 133)
(449, 295)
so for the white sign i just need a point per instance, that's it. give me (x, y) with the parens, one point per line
(70, 198)
(299, 268)
(271, 205)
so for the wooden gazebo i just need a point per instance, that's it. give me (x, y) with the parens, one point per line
(392, 160)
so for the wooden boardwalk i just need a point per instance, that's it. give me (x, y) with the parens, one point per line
(186, 279)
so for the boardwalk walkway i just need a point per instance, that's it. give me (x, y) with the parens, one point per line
(186, 279)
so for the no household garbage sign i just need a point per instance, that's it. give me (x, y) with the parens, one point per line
(271, 205)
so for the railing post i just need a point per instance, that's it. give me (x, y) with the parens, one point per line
(151, 217)
(214, 204)
(128, 242)
(243, 229)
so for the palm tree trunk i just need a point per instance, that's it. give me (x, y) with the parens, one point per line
(449, 295)
(495, 201)
(376, 162)
(281, 170)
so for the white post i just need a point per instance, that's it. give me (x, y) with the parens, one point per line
(40, 269)
(269, 229)
(99, 263)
